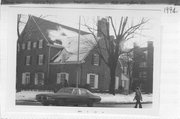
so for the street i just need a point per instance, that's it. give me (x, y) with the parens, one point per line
(115, 105)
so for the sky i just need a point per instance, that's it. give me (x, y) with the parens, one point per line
(149, 32)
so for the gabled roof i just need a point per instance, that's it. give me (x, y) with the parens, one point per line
(52, 31)
(70, 52)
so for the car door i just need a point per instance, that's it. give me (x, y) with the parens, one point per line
(75, 96)
(83, 95)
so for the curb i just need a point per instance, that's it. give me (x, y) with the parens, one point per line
(148, 102)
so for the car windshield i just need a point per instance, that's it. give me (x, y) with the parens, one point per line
(65, 90)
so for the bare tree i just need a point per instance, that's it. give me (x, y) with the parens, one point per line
(110, 48)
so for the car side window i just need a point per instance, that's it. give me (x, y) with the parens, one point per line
(69, 91)
(83, 92)
(76, 91)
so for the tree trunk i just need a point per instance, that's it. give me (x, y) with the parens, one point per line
(112, 81)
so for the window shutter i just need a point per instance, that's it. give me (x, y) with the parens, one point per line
(96, 81)
(43, 59)
(117, 82)
(88, 78)
(67, 76)
(23, 78)
(58, 78)
(36, 79)
(30, 60)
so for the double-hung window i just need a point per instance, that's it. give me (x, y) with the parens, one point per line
(95, 59)
(39, 78)
(61, 77)
(26, 78)
(40, 59)
(23, 46)
(28, 60)
(41, 43)
(29, 45)
(92, 80)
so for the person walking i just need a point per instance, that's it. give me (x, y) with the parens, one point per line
(138, 97)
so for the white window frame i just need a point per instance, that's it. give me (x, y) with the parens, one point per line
(59, 78)
(38, 81)
(40, 59)
(28, 60)
(96, 80)
(26, 78)
(34, 44)
(23, 46)
(29, 45)
(96, 57)
(40, 45)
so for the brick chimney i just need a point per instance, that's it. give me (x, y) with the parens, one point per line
(103, 25)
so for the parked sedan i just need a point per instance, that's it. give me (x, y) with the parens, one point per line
(69, 96)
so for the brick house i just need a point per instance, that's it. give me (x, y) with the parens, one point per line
(142, 71)
(44, 60)
(34, 51)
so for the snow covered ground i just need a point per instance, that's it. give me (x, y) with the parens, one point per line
(105, 98)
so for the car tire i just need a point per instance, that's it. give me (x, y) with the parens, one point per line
(45, 103)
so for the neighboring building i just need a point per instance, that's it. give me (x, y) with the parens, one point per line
(142, 71)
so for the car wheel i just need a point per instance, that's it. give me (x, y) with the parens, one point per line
(45, 103)
(90, 104)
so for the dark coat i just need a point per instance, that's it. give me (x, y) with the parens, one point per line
(138, 95)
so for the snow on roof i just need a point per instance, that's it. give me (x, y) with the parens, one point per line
(70, 53)
(53, 31)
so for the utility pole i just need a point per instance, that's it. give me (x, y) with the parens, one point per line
(78, 75)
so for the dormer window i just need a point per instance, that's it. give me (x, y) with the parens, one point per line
(41, 43)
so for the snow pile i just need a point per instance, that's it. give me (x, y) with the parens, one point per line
(29, 95)
(120, 98)
(105, 98)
